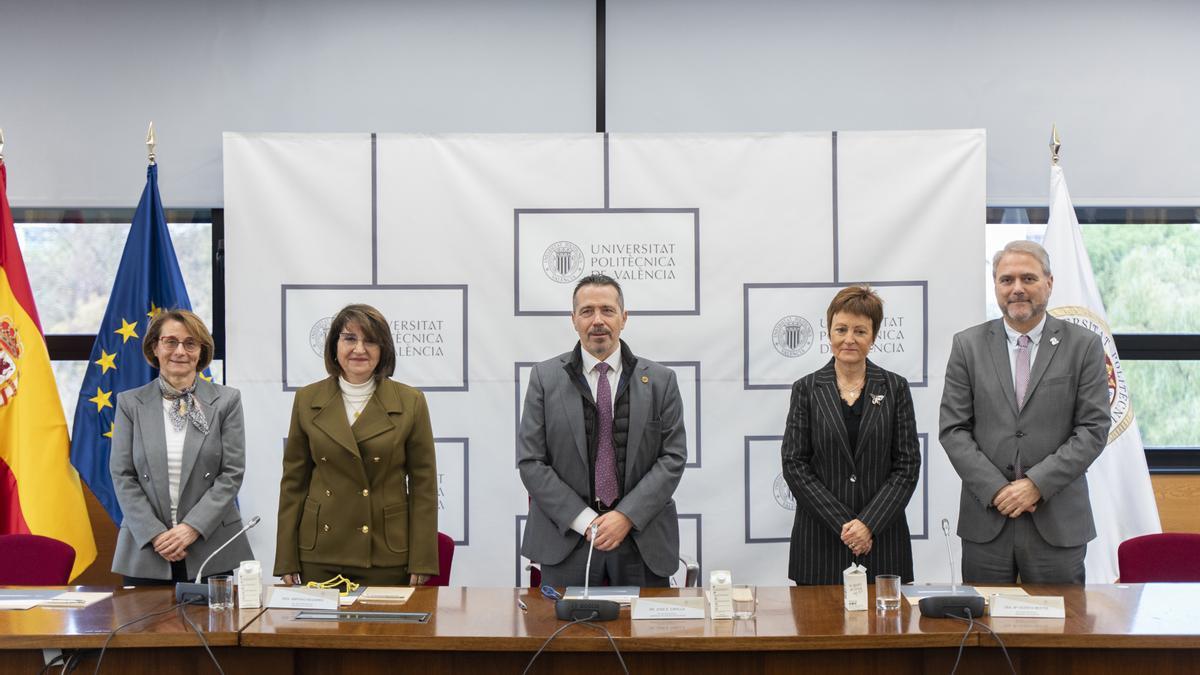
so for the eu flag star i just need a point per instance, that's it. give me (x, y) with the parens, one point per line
(107, 361)
(101, 399)
(154, 310)
(126, 331)
(111, 426)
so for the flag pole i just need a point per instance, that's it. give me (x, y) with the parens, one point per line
(150, 143)
(1055, 144)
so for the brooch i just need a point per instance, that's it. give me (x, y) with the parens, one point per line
(645, 380)
(876, 399)
(1054, 341)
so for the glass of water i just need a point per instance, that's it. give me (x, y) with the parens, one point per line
(220, 592)
(887, 592)
(745, 601)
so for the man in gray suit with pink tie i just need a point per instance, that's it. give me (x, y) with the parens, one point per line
(601, 450)
(1024, 413)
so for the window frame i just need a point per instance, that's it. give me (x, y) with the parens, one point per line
(1135, 346)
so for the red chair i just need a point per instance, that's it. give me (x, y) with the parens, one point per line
(445, 560)
(1170, 556)
(34, 560)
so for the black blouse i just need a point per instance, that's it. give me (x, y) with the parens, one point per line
(852, 417)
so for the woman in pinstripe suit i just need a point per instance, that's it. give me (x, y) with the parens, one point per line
(850, 454)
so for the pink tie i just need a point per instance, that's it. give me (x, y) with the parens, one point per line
(1023, 343)
(606, 455)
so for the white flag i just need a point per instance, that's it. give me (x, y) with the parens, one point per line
(1122, 497)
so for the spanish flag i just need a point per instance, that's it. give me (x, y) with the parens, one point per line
(40, 492)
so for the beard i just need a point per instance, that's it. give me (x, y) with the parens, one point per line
(1023, 311)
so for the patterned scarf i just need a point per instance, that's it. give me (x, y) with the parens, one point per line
(184, 407)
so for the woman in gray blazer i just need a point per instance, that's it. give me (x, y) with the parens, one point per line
(178, 456)
(850, 454)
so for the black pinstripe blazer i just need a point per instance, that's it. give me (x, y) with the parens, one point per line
(834, 484)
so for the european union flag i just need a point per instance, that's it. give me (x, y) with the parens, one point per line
(148, 281)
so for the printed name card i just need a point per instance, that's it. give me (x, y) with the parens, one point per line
(1030, 606)
(668, 608)
(294, 597)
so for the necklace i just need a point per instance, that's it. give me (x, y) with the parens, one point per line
(851, 392)
(358, 407)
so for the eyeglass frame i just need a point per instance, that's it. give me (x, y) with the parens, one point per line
(167, 343)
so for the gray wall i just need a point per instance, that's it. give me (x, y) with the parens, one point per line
(80, 80)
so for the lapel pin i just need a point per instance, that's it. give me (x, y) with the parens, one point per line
(1054, 341)
(645, 380)
(876, 399)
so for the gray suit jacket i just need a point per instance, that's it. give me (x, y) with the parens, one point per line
(213, 465)
(1059, 432)
(553, 462)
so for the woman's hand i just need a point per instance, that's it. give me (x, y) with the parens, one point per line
(172, 544)
(417, 579)
(857, 536)
(292, 579)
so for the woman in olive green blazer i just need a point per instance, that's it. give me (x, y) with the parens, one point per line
(358, 495)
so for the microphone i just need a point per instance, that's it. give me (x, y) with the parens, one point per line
(587, 609)
(949, 555)
(587, 570)
(191, 592)
(957, 605)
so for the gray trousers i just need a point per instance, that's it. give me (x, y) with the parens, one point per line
(620, 567)
(1020, 553)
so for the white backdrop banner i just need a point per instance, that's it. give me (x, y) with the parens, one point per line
(729, 248)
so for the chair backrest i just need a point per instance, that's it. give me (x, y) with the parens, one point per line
(34, 560)
(445, 561)
(1170, 556)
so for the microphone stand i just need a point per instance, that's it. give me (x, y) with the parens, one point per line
(957, 605)
(194, 593)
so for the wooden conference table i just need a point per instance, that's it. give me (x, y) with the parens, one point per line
(1108, 629)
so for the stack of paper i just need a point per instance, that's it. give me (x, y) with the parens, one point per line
(386, 594)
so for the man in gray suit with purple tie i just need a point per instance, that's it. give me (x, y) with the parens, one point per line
(601, 450)
(1024, 414)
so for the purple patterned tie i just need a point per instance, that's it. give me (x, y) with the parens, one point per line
(1023, 350)
(606, 456)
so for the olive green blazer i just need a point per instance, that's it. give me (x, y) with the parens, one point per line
(362, 495)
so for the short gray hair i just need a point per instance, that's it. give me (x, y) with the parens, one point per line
(1023, 246)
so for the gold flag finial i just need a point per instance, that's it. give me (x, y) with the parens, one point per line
(1055, 144)
(150, 143)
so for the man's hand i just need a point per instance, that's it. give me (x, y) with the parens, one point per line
(857, 537)
(172, 544)
(1017, 497)
(612, 528)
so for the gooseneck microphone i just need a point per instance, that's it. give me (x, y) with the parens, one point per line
(194, 592)
(949, 555)
(587, 609)
(956, 605)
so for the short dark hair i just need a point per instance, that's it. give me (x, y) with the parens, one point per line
(195, 327)
(858, 300)
(374, 327)
(598, 280)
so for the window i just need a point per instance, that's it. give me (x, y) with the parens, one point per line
(1145, 264)
(72, 258)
